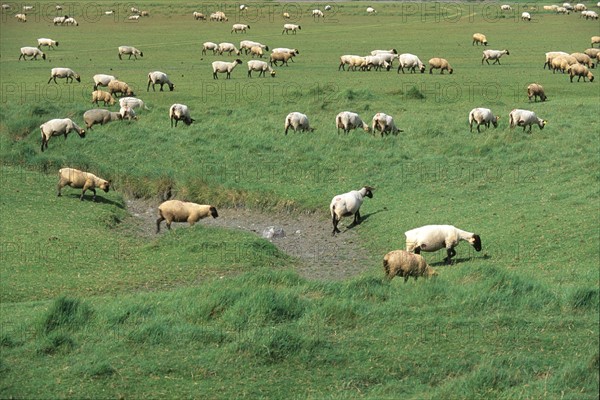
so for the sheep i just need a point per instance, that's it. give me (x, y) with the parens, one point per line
(100, 95)
(562, 63)
(583, 59)
(198, 15)
(525, 118)
(592, 52)
(81, 180)
(404, 264)
(346, 59)
(292, 52)
(145, 13)
(160, 78)
(133, 17)
(229, 48)
(347, 204)
(218, 16)
(6, 7)
(128, 113)
(411, 62)
(134, 10)
(32, 52)
(432, 238)
(180, 112)
(371, 10)
(100, 116)
(243, 7)
(290, 27)
(116, 86)
(482, 116)
(479, 38)
(536, 90)
(57, 127)
(109, 12)
(525, 16)
(132, 51)
(223, 66)
(67, 73)
(27, 8)
(551, 55)
(210, 46)
(551, 8)
(378, 62)
(579, 7)
(493, 55)
(386, 56)
(286, 15)
(589, 14)
(70, 21)
(563, 10)
(348, 120)
(505, 7)
(102, 80)
(298, 122)
(581, 71)
(256, 51)
(280, 57)
(247, 45)
(441, 64)
(47, 42)
(595, 40)
(377, 52)
(328, 8)
(317, 14)
(181, 211)
(132, 102)
(239, 28)
(21, 17)
(59, 20)
(385, 124)
(261, 66)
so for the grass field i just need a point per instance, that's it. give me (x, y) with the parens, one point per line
(91, 308)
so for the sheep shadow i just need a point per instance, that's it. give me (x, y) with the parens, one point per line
(99, 199)
(365, 217)
(456, 260)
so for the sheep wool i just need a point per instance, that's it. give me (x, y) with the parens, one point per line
(180, 211)
(404, 264)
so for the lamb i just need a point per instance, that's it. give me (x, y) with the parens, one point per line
(228, 47)
(100, 95)
(298, 122)
(102, 80)
(317, 14)
(595, 40)
(32, 52)
(479, 38)
(180, 211)
(411, 62)
(57, 127)
(441, 64)
(525, 16)
(290, 27)
(161, 78)
(47, 42)
(404, 264)
(132, 51)
(482, 116)
(127, 113)
(347, 204)
(583, 59)
(348, 120)
(239, 28)
(536, 90)
(223, 66)
(385, 124)
(432, 238)
(81, 180)
(115, 86)
(256, 51)
(261, 66)
(21, 17)
(180, 112)
(100, 116)
(280, 57)
(525, 118)
(199, 15)
(493, 55)
(210, 46)
(581, 71)
(61, 73)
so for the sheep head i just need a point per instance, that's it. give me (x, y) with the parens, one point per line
(475, 241)
(213, 212)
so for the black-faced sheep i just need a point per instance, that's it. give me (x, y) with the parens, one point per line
(493, 55)
(525, 118)
(157, 77)
(180, 211)
(347, 204)
(404, 264)
(132, 51)
(180, 112)
(224, 67)
(32, 52)
(116, 86)
(261, 66)
(290, 27)
(47, 42)
(479, 38)
(63, 73)
(81, 180)
(441, 64)
(432, 238)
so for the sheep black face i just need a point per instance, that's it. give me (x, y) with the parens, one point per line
(213, 212)
(369, 191)
(476, 242)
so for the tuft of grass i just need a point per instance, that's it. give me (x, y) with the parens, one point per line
(66, 314)
(584, 299)
(56, 342)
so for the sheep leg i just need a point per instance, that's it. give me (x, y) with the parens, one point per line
(335, 222)
(158, 221)
(451, 253)
(356, 218)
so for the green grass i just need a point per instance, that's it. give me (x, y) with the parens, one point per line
(91, 308)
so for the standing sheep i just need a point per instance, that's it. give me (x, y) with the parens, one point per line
(100, 95)
(102, 80)
(595, 40)
(432, 238)
(317, 14)
(210, 46)
(385, 124)
(441, 64)
(229, 48)
(482, 116)
(525, 16)
(348, 120)
(290, 27)
(116, 86)
(47, 42)
(81, 180)
(32, 52)
(347, 204)
(536, 90)
(180, 112)
(61, 73)
(132, 102)
(411, 62)
(404, 264)
(298, 122)
(239, 28)
(493, 55)
(157, 77)
(525, 118)
(180, 211)
(581, 71)
(281, 57)
(132, 51)
(224, 67)
(198, 15)
(261, 66)
(371, 11)
(57, 127)
(100, 116)
(479, 38)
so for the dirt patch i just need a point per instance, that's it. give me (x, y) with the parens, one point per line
(307, 237)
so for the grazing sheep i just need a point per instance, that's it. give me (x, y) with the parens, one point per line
(563, 10)
(70, 21)
(280, 57)
(239, 28)
(579, 7)
(180, 112)
(59, 20)
(81, 180)
(229, 48)
(57, 127)
(116, 86)
(6, 7)
(256, 51)
(404, 264)
(127, 113)
(411, 62)
(595, 40)
(385, 124)
(132, 102)
(180, 211)
(371, 10)
(432, 238)
(133, 17)
(328, 8)
(562, 63)
(525, 118)
(347, 204)
(145, 13)
(583, 59)
(592, 52)
(505, 7)
(290, 27)
(247, 45)
(493, 55)
(482, 116)
(317, 14)
(298, 122)
(581, 71)
(551, 55)
(378, 62)
(223, 66)
(210, 46)
(134, 10)
(199, 15)
(157, 77)
(100, 95)
(218, 16)
(286, 15)
(132, 51)
(47, 42)
(21, 17)
(525, 16)
(261, 66)
(100, 116)
(61, 73)
(348, 120)
(479, 38)
(387, 56)
(441, 64)
(32, 52)
(536, 90)
(346, 59)
(102, 80)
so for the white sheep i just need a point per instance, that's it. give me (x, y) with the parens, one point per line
(505, 7)
(385, 124)
(552, 55)
(21, 17)
(61, 73)
(59, 20)
(243, 7)
(525, 118)
(133, 17)
(493, 55)
(432, 238)
(347, 204)
(180, 112)
(482, 116)
(47, 42)
(100, 116)
(132, 102)
(218, 16)
(525, 16)
(198, 15)
(81, 180)
(132, 51)
(590, 15)
(391, 51)
(247, 45)
(224, 67)
(70, 21)
(327, 7)
(157, 77)
(32, 52)
(298, 122)
(6, 6)
(346, 59)
(411, 62)
(145, 13)
(592, 52)
(581, 71)
(386, 56)
(378, 62)
(536, 90)
(371, 10)
(348, 120)
(58, 127)
(441, 64)
(404, 264)
(226, 47)
(128, 113)
(180, 211)
(261, 66)
(102, 80)
(134, 10)
(210, 46)
(239, 28)
(563, 10)
(291, 27)
(317, 14)
(579, 7)
(479, 38)
(286, 15)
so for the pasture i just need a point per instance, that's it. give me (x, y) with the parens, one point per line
(93, 305)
